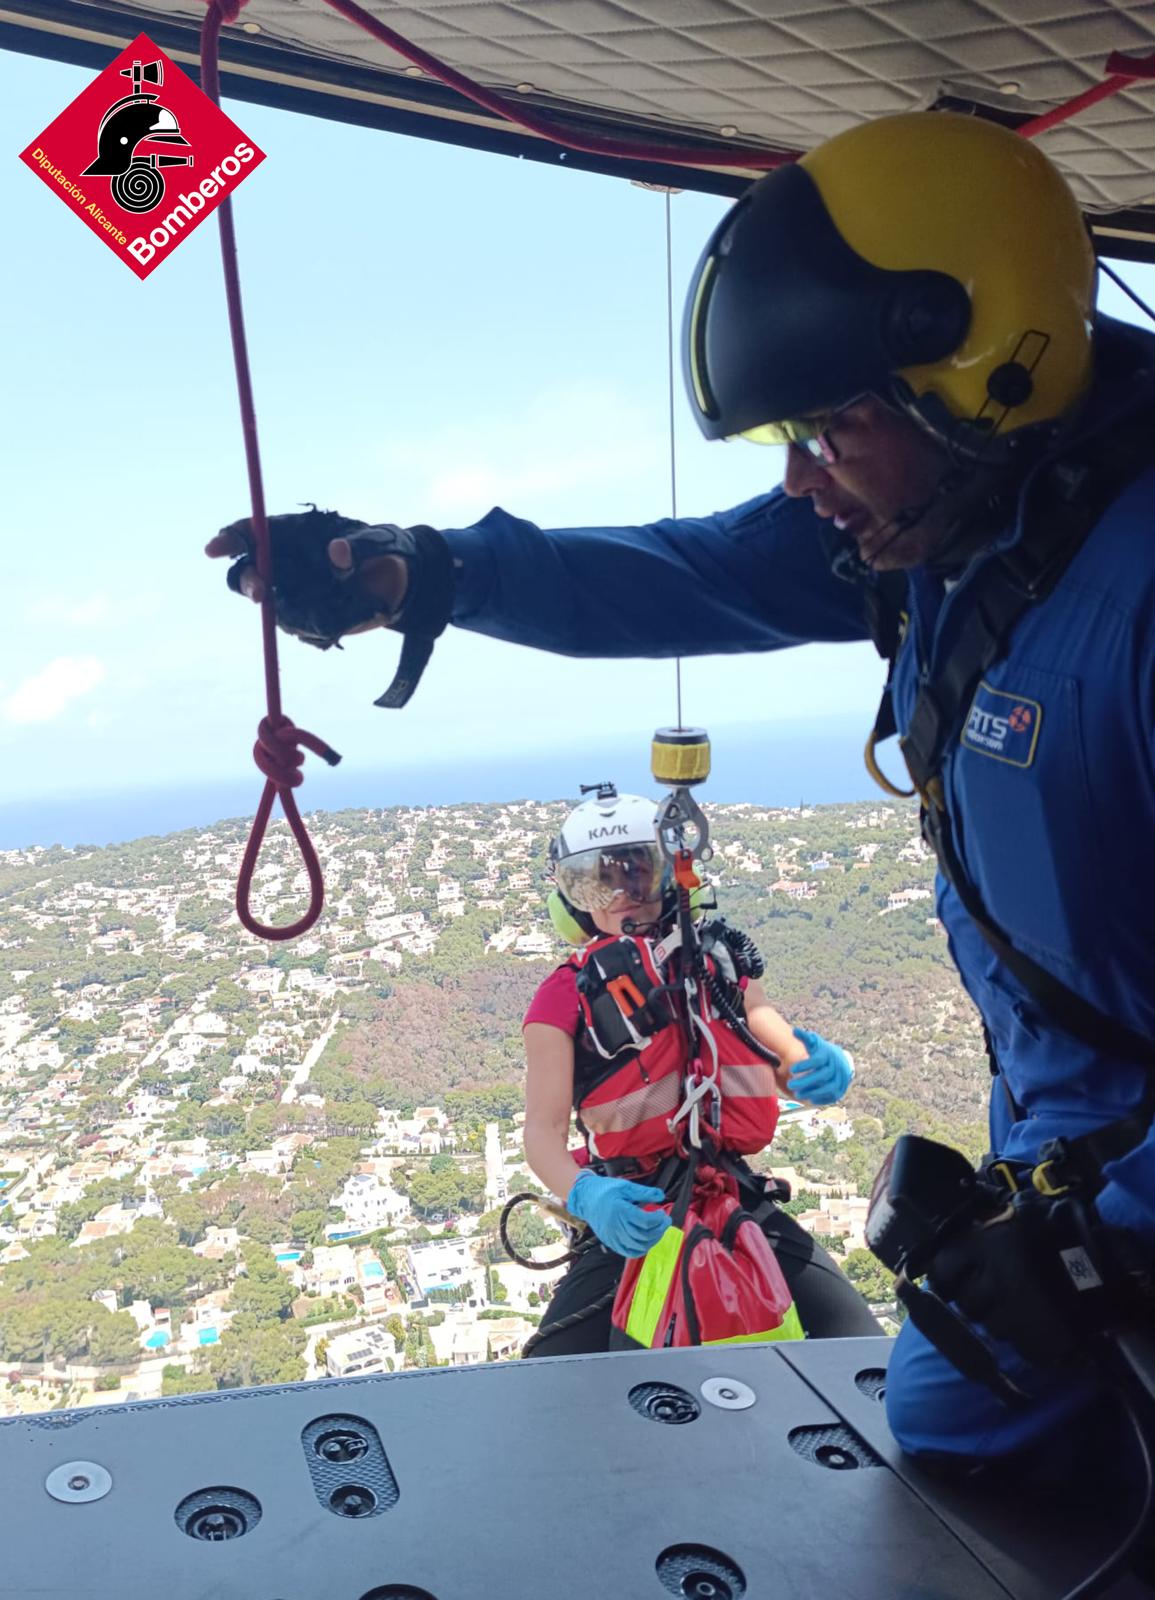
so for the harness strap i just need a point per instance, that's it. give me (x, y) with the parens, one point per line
(760, 1194)
(1074, 1014)
(1079, 1162)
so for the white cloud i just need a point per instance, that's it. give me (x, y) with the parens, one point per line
(48, 693)
(96, 610)
(88, 611)
(574, 437)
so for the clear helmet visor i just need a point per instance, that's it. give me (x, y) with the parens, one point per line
(611, 878)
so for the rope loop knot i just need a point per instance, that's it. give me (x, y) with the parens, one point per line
(280, 751)
(280, 754)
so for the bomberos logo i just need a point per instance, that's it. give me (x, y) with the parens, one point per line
(142, 162)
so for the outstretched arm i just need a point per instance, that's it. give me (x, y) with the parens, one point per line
(756, 577)
(752, 578)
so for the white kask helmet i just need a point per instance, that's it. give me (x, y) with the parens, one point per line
(607, 851)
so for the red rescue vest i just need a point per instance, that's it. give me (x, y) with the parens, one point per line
(632, 1062)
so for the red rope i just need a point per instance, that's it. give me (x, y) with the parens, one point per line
(280, 748)
(590, 143)
(1124, 70)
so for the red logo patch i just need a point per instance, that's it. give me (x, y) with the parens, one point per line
(142, 156)
(1020, 719)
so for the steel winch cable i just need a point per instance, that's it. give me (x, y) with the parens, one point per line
(673, 432)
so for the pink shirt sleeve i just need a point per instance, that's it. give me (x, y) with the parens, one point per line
(556, 1002)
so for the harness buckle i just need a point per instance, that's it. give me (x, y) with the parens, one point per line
(935, 793)
(1046, 1184)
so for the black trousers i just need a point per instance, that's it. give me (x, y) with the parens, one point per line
(827, 1302)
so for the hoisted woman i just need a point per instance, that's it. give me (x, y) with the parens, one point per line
(605, 1043)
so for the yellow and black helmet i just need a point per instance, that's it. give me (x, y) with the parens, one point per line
(937, 260)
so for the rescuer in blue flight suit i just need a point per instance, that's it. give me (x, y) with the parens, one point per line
(971, 482)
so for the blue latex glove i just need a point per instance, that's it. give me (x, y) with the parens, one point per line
(825, 1075)
(612, 1207)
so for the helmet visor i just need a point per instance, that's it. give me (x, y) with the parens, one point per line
(785, 318)
(630, 874)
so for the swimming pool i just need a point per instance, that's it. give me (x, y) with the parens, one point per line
(208, 1336)
(372, 1269)
(290, 1255)
(158, 1340)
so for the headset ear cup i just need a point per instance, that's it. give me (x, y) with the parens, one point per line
(565, 919)
(925, 318)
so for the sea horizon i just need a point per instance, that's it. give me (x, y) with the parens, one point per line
(815, 761)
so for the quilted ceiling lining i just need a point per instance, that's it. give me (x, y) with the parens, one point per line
(780, 73)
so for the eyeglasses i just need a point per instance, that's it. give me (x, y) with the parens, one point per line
(812, 434)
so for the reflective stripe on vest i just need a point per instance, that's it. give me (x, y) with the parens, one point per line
(653, 1286)
(789, 1328)
(626, 1110)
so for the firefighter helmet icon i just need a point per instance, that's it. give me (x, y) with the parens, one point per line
(137, 119)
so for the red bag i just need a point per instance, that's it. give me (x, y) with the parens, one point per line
(712, 1278)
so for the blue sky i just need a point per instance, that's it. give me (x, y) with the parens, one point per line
(432, 331)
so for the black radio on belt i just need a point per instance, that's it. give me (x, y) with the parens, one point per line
(923, 1192)
(923, 1189)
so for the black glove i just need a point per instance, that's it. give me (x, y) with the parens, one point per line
(1046, 1274)
(320, 604)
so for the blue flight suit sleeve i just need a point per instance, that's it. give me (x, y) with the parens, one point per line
(753, 578)
(1127, 1200)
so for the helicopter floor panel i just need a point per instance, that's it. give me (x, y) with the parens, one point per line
(1039, 1543)
(760, 1471)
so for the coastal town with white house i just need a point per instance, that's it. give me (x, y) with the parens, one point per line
(224, 1163)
